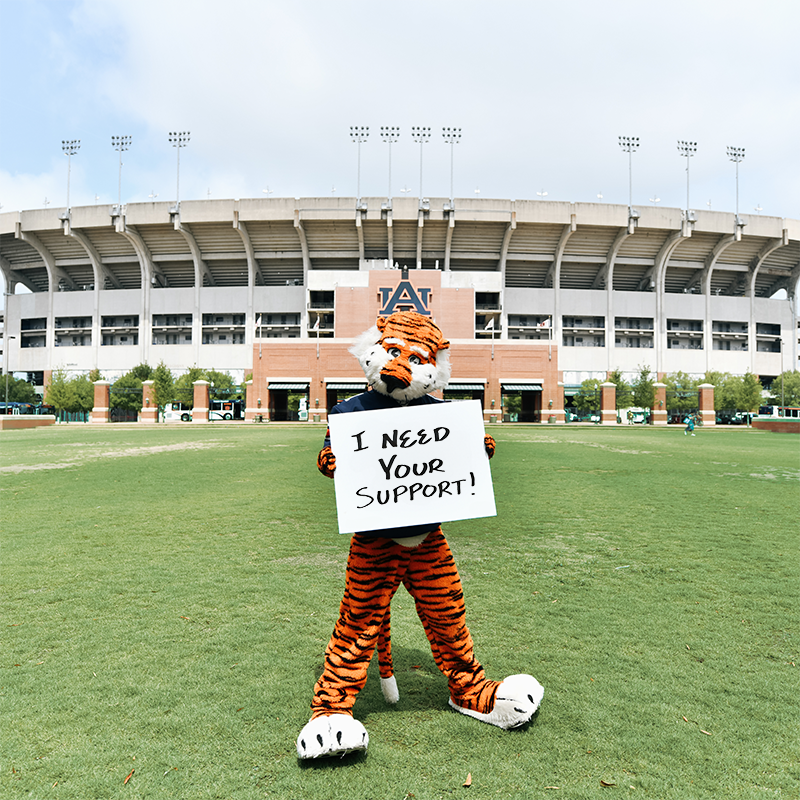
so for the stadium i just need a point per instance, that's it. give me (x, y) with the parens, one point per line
(536, 296)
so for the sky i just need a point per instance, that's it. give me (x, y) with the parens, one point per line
(269, 91)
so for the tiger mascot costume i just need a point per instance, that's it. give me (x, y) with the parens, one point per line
(404, 357)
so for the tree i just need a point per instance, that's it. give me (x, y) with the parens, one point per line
(681, 392)
(786, 393)
(624, 397)
(19, 391)
(163, 385)
(82, 394)
(644, 393)
(727, 388)
(59, 391)
(750, 396)
(184, 386)
(222, 382)
(588, 398)
(144, 372)
(126, 392)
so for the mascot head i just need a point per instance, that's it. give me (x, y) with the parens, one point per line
(404, 356)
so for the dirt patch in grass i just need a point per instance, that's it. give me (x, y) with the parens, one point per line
(561, 442)
(77, 459)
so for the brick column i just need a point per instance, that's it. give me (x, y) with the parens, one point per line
(659, 409)
(553, 404)
(608, 403)
(102, 401)
(149, 406)
(707, 414)
(201, 394)
(251, 407)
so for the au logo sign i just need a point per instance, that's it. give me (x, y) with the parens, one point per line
(404, 298)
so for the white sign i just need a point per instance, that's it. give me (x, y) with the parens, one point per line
(410, 466)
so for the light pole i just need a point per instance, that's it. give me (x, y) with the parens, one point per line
(120, 143)
(179, 139)
(390, 135)
(687, 150)
(359, 134)
(70, 147)
(6, 337)
(451, 136)
(629, 145)
(421, 136)
(736, 154)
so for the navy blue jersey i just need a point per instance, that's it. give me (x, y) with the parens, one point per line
(374, 401)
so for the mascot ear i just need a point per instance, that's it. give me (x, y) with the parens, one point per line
(380, 323)
(444, 344)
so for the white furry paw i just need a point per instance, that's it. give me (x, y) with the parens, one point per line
(391, 694)
(334, 735)
(517, 700)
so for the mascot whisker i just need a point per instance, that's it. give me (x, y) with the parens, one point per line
(405, 357)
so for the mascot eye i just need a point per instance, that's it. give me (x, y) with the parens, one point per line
(394, 352)
(414, 360)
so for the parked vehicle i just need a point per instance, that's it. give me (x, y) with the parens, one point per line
(177, 412)
(779, 412)
(226, 409)
(17, 408)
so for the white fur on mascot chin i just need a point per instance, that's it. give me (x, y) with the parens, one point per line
(373, 357)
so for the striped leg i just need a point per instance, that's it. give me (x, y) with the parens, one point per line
(374, 570)
(433, 581)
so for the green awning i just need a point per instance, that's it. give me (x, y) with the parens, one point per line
(522, 387)
(348, 387)
(292, 387)
(465, 387)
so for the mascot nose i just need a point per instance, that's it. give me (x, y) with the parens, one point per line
(393, 382)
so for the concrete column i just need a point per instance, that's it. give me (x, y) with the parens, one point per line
(201, 395)
(659, 409)
(102, 401)
(149, 405)
(707, 414)
(608, 403)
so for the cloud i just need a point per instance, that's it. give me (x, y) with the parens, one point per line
(541, 90)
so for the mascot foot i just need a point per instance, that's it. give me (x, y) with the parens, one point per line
(334, 735)
(391, 694)
(517, 700)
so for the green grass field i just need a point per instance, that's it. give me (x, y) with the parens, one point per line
(167, 594)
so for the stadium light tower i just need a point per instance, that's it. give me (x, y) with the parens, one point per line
(687, 150)
(179, 139)
(120, 143)
(736, 154)
(70, 147)
(390, 135)
(421, 136)
(629, 145)
(359, 134)
(451, 136)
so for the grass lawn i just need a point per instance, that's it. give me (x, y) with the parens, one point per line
(168, 591)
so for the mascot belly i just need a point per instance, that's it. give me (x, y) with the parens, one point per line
(404, 357)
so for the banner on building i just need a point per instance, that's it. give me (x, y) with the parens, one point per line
(411, 466)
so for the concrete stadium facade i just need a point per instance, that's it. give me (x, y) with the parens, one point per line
(222, 284)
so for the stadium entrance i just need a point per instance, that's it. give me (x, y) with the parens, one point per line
(522, 402)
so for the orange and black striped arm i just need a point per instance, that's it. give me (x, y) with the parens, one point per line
(326, 460)
(490, 445)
